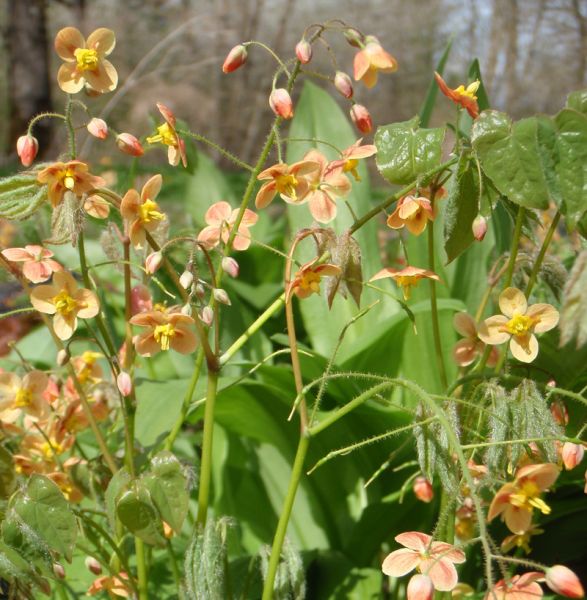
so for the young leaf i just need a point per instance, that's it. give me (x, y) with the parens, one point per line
(137, 513)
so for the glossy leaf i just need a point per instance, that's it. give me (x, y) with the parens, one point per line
(578, 101)
(138, 514)
(118, 484)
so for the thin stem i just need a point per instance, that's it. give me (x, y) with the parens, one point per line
(70, 129)
(219, 149)
(141, 569)
(44, 115)
(174, 568)
(542, 253)
(515, 245)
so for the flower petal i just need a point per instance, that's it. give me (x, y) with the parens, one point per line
(442, 572)
(547, 317)
(266, 194)
(400, 562)
(42, 299)
(218, 213)
(69, 78)
(524, 348)
(184, 341)
(465, 325)
(544, 474)
(464, 352)
(64, 326)
(102, 41)
(152, 188)
(16, 254)
(104, 78)
(321, 206)
(90, 300)
(414, 540)
(512, 301)
(518, 520)
(67, 41)
(490, 330)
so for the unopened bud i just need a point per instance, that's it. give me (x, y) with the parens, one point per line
(304, 51)
(58, 570)
(27, 147)
(281, 104)
(186, 310)
(420, 587)
(207, 316)
(221, 296)
(354, 37)
(235, 59)
(63, 357)
(93, 565)
(200, 291)
(124, 383)
(561, 580)
(186, 280)
(129, 144)
(343, 84)
(98, 128)
(361, 118)
(153, 262)
(423, 489)
(559, 412)
(572, 454)
(230, 266)
(479, 227)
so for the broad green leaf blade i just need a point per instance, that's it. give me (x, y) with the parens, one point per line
(432, 93)
(167, 484)
(137, 513)
(578, 101)
(118, 484)
(509, 157)
(404, 151)
(44, 509)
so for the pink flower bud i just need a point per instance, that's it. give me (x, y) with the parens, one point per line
(420, 587)
(221, 296)
(230, 266)
(58, 570)
(479, 227)
(93, 565)
(62, 357)
(140, 299)
(153, 262)
(572, 455)
(558, 410)
(129, 144)
(98, 128)
(281, 104)
(423, 489)
(124, 383)
(27, 147)
(354, 37)
(563, 581)
(200, 291)
(361, 118)
(235, 59)
(207, 316)
(343, 84)
(186, 310)
(186, 279)
(304, 51)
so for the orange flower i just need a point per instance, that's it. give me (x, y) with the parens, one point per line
(371, 59)
(38, 264)
(165, 330)
(349, 158)
(413, 213)
(289, 181)
(63, 299)
(406, 278)
(518, 325)
(113, 585)
(516, 501)
(221, 218)
(141, 213)
(85, 61)
(307, 280)
(86, 367)
(466, 350)
(462, 96)
(167, 135)
(23, 395)
(519, 587)
(71, 176)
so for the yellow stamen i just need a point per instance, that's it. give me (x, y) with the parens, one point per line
(149, 211)
(350, 165)
(520, 325)
(87, 60)
(64, 303)
(163, 335)
(310, 282)
(528, 497)
(286, 184)
(165, 135)
(23, 398)
(50, 449)
(68, 178)
(406, 282)
(470, 91)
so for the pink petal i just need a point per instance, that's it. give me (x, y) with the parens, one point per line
(490, 330)
(512, 301)
(442, 572)
(266, 194)
(67, 41)
(102, 41)
(218, 213)
(400, 562)
(17, 254)
(465, 325)
(152, 188)
(414, 540)
(548, 317)
(36, 272)
(210, 236)
(323, 209)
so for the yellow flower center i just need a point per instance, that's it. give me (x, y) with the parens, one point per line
(149, 211)
(350, 166)
(520, 325)
(163, 335)
(286, 184)
(64, 303)
(406, 282)
(68, 179)
(87, 60)
(23, 398)
(310, 281)
(527, 498)
(165, 135)
(470, 91)
(50, 448)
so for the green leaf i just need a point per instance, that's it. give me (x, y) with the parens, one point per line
(137, 513)
(404, 151)
(21, 195)
(15, 569)
(44, 509)
(509, 156)
(24, 540)
(118, 484)
(360, 584)
(7, 473)
(461, 209)
(167, 484)
(578, 101)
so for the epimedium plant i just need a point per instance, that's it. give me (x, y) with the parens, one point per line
(98, 460)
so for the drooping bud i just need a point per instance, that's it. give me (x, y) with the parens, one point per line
(153, 262)
(304, 51)
(58, 570)
(420, 587)
(230, 266)
(124, 383)
(98, 128)
(63, 357)
(281, 104)
(423, 489)
(207, 316)
(236, 58)
(221, 296)
(186, 279)
(479, 227)
(572, 454)
(93, 565)
(561, 580)
(354, 37)
(200, 291)
(129, 144)
(186, 309)
(27, 147)
(343, 84)
(361, 118)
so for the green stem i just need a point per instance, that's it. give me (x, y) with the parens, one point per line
(279, 538)
(219, 149)
(542, 253)
(141, 569)
(70, 129)
(515, 245)
(174, 568)
(206, 468)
